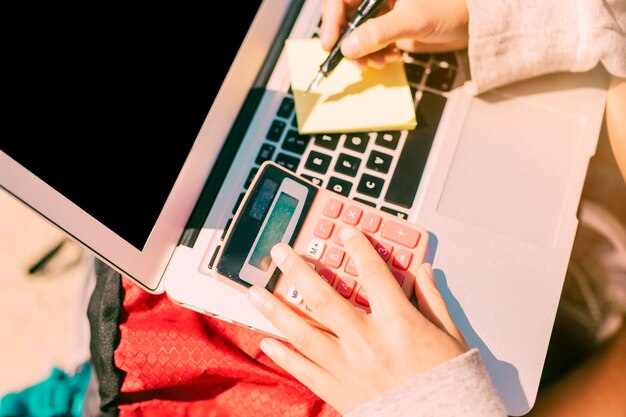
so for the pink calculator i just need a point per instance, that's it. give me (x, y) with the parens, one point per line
(283, 207)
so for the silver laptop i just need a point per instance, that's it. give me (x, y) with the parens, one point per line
(496, 179)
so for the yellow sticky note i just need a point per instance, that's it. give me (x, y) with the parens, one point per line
(348, 100)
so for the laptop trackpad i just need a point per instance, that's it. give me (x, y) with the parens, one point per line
(512, 167)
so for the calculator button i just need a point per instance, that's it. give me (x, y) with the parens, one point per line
(329, 142)
(402, 259)
(348, 165)
(401, 234)
(388, 140)
(370, 185)
(352, 215)
(332, 208)
(266, 152)
(317, 162)
(398, 276)
(293, 296)
(356, 141)
(334, 257)
(345, 286)
(314, 250)
(327, 275)
(361, 298)
(379, 162)
(337, 239)
(276, 130)
(314, 180)
(371, 223)
(350, 267)
(339, 186)
(324, 228)
(384, 250)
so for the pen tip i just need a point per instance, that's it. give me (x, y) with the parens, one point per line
(315, 83)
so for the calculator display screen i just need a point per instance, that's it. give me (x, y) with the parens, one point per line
(277, 222)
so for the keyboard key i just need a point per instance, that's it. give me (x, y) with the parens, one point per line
(410, 166)
(238, 202)
(400, 233)
(384, 250)
(226, 228)
(350, 267)
(294, 121)
(367, 203)
(370, 185)
(379, 162)
(251, 175)
(314, 180)
(318, 162)
(266, 153)
(213, 257)
(371, 223)
(288, 161)
(285, 108)
(339, 186)
(348, 165)
(402, 259)
(276, 131)
(397, 213)
(334, 257)
(361, 298)
(420, 57)
(295, 142)
(357, 141)
(324, 228)
(388, 140)
(314, 249)
(448, 58)
(329, 142)
(327, 275)
(441, 78)
(352, 215)
(414, 73)
(332, 208)
(345, 286)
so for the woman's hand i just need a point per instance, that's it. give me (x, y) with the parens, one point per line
(411, 25)
(368, 353)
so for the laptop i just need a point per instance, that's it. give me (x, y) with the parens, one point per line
(496, 179)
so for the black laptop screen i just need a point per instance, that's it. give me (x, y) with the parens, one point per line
(104, 105)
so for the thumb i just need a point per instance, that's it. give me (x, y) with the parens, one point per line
(431, 304)
(375, 34)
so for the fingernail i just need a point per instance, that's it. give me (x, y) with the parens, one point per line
(255, 296)
(351, 46)
(267, 346)
(346, 233)
(279, 253)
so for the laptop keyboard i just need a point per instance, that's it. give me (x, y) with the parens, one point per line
(380, 169)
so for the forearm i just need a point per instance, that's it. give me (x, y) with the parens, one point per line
(514, 40)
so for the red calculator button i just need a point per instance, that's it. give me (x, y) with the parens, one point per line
(398, 276)
(402, 259)
(345, 286)
(384, 250)
(334, 257)
(327, 275)
(352, 215)
(350, 268)
(333, 208)
(324, 228)
(361, 298)
(371, 223)
(400, 233)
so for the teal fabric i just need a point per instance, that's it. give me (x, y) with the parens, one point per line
(61, 395)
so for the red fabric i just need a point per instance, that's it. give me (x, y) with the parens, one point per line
(182, 363)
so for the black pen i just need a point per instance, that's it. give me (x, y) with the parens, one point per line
(366, 10)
